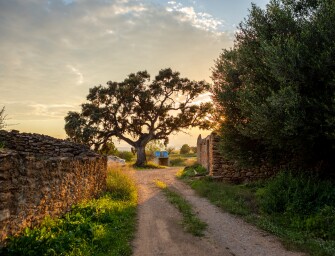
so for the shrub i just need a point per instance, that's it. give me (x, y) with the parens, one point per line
(296, 193)
(322, 223)
(126, 155)
(191, 171)
(177, 161)
(185, 149)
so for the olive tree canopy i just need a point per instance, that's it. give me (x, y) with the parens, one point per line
(138, 110)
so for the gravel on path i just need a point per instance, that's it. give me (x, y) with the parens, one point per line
(159, 231)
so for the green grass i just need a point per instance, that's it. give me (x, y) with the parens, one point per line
(190, 222)
(103, 226)
(299, 210)
(149, 165)
(182, 160)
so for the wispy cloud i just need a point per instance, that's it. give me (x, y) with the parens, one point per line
(53, 46)
(201, 20)
(80, 76)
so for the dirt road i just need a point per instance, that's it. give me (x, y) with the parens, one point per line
(160, 233)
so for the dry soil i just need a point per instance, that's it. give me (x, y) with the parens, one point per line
(159, 231)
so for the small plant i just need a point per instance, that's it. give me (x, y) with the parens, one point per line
(191, 222)
(193, 170)
(2, 145)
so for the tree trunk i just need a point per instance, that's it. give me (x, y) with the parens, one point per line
(141, 157)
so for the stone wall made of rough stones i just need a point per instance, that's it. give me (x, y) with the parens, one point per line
(42, 145)
(209, 156)
(34, 185)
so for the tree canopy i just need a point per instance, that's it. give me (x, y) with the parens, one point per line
(276, 87)
(138, 110)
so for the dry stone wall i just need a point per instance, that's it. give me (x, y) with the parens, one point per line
(41, 176)
(209, 156)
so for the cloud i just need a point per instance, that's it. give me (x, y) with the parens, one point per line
(49, 48)
(80, 78)
(201, 20)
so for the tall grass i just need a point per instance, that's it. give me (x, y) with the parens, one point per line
(103, 226)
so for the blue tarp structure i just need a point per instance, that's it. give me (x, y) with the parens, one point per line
(161, 154)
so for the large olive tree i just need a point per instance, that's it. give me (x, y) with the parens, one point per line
(138, 110)
(276, 86)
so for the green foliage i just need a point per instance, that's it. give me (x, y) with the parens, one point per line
(101, 226)
(139, 110)
(322, 223)
(126, 155)
(193, 170)
(234, 199)
(185, 149)
(150, 165)
(177, 161)
(109, 149)
(275, 88)
(194, 150)
(120, 185)
(191, 222)
(296, 193)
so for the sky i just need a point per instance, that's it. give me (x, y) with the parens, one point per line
(53, 51)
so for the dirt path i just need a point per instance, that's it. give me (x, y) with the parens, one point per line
(159, 231)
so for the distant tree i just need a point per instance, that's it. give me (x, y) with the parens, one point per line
(275, 88)
(138, 111)
(194, 149)
(185, 149)
(170, 150)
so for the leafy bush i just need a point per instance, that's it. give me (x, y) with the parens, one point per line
(185, 149)
(126, 155)
(322, 224)
(296, 193)
(191, 171)
(177, 161)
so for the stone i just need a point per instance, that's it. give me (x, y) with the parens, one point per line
(4, 214)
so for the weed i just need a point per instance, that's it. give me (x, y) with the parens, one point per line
(191, 222)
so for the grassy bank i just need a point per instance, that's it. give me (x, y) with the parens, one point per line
(103, 226)
(299, 209)
(191, 222)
